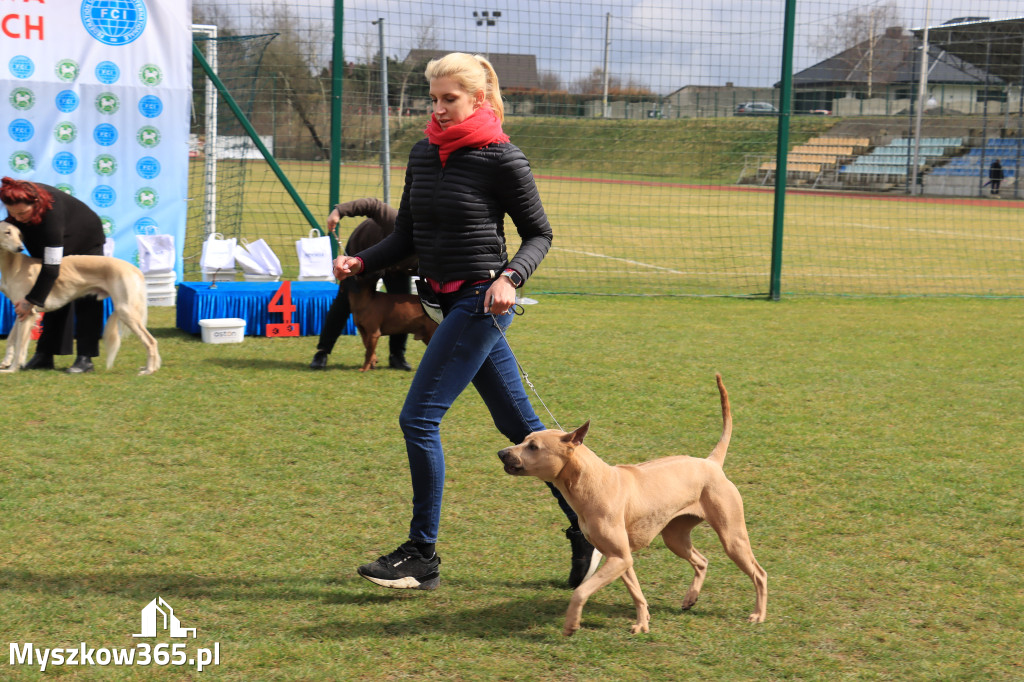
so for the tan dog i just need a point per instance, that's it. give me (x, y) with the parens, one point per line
(622, 508)
(79, 276)
(376, 313)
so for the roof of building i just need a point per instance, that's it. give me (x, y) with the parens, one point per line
(515, 71)
(996, 45)
(890, 59)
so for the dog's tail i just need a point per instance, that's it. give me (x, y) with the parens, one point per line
(718, 454)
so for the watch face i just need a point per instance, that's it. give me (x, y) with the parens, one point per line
(514, 277)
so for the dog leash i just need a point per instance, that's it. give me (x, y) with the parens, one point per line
(519, 310)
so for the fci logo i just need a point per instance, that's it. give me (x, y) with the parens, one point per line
(114, 22)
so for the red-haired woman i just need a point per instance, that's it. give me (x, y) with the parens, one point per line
(54, 224)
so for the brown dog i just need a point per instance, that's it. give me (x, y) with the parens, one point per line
(79, 276)
(622, 508)
(376, 313)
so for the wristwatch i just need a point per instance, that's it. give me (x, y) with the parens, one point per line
(513, 276)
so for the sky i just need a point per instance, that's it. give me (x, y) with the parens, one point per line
(662, 44)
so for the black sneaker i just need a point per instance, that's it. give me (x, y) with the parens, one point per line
(585, 557)
(404, 569)
(319, 360)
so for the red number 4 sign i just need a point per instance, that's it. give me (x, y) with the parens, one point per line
(282, 303)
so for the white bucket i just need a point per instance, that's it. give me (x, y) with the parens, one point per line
(223, 330)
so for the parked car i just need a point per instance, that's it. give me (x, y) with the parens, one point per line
(756, 109)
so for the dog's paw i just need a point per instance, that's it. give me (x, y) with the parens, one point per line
(640, 628)
(755, 618)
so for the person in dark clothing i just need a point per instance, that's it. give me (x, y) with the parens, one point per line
(995, 176)
(55, 224)
(380, 221)
(460, 183)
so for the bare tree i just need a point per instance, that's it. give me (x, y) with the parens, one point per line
(593, 84)
(209, 13)
(549, 81)
(291, 60)
(426, 39)
(855, 27)
(855, 34)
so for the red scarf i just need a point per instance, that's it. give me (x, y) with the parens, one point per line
(479, 130)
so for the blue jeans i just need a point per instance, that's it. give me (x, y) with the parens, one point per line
(467, 347)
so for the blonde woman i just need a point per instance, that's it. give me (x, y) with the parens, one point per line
(460, 184)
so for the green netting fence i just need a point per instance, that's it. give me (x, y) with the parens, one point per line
(674, 151)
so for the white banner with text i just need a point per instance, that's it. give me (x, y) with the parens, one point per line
(98, 94)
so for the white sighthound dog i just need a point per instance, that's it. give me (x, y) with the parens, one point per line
(79, 276)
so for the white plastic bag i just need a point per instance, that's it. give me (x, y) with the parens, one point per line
(261, 252)
(156, 252)
(314, 253)
(218, 253)
(249, 265)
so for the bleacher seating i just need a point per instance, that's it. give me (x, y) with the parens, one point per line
(858, 142)
(970, 164)
(819, 154)
(892, 160)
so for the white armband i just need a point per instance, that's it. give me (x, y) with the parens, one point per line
(52, 255)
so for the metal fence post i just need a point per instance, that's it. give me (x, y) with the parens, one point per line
(782, 151)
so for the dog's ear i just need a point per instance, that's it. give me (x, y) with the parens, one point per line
(577, 436)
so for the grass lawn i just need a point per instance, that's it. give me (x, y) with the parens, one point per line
(877, 444)
(616, 236)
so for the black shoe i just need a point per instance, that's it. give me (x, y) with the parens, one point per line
(39, 361)
(319, 360)
(404, 569)
(83, 364)
(585, 557)
(398, 362)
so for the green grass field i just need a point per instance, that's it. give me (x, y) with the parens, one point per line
(665, 237)
(877, 444)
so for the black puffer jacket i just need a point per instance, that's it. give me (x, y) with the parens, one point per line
(453, 217)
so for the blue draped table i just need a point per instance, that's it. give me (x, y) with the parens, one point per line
(249, 301)
(7, 314)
